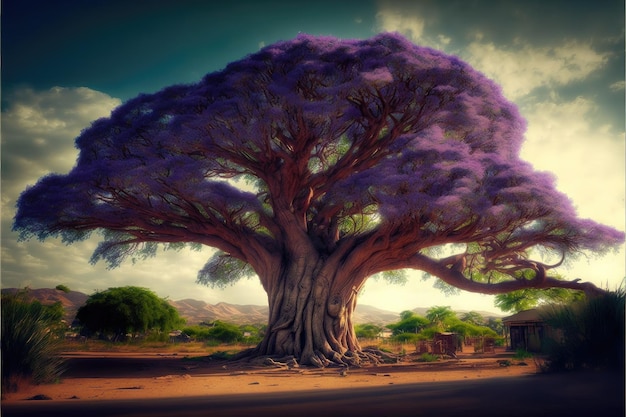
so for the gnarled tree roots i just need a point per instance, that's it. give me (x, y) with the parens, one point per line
(369, 356)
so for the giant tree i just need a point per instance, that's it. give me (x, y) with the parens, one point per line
(317, 163)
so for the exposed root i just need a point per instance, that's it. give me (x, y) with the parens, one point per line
(380, 356)
(353, 359)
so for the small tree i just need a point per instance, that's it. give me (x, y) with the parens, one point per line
(440, 316)
(30, 347)
(496, 324)
(123, 310)
(474, 318)
(409, 323)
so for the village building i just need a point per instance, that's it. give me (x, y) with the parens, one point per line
(527, 330)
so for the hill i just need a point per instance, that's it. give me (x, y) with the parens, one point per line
(195, 311)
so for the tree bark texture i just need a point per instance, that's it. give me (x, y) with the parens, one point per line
(311, 315)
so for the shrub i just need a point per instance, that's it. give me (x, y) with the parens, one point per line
(63, 288)
(428, 333)
(591, 333)
(215, 333)
(197, 332)
(428, 357)
(405, 337)
(252, 334)
(367, 331)
(410, 323)
(225, 332)
(467, 329)
(29, 346)
(521, 354)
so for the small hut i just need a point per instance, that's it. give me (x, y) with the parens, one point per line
(446, 344)
(526, 330)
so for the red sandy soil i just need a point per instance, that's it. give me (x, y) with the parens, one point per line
(115, 376)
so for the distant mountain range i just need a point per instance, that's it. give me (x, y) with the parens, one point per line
(195, 311)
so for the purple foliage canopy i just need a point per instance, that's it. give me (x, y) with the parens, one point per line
(356, 141)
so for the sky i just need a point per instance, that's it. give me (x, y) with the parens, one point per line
(69, 62)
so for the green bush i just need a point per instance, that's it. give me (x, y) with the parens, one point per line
(199, 333)
(410, 323)
(428, 357)
(215, 333)
(521, 354)
(591, 334)
(367, 331)
(405, 338)
(63, 288)
(428, 333)
(225, 332)
(468, 329)
(30, 346)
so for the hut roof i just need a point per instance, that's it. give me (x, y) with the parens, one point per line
(532, 315)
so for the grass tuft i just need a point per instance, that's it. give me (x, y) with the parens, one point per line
(30, 345)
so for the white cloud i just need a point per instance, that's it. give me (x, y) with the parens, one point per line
(589, 163)
(396, 21)
(521, 68)
(587, 159)
(420, 293)
(409, 24)
(618, 86)
(38, 132)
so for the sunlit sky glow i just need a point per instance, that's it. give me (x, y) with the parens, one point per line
(67, 63)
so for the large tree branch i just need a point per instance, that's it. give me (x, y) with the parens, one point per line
(445, 271)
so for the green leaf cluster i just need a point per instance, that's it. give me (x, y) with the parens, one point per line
(527, 298)
(223, 270)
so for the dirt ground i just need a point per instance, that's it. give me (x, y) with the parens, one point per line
(117, 376)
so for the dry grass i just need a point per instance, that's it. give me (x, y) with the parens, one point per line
(142, 347)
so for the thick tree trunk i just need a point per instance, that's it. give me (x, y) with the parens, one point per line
(311, 317)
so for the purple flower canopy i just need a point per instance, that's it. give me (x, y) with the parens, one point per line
(405, 138)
